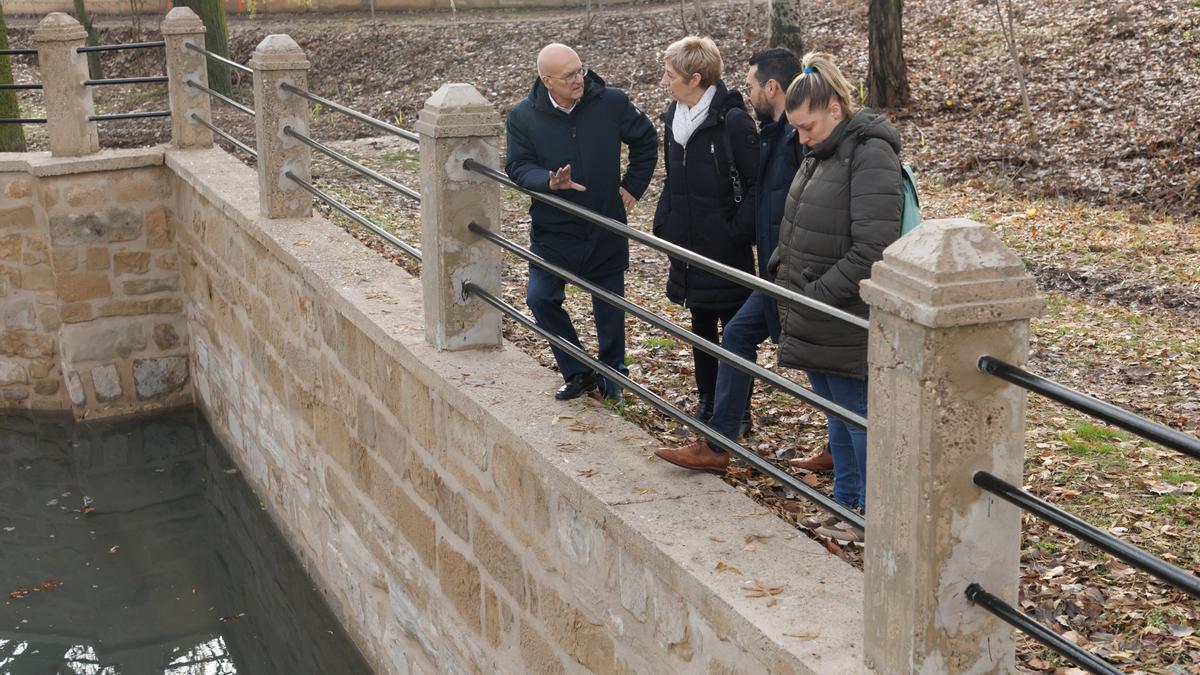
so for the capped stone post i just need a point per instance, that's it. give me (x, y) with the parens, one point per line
(276, 60)
(458, 123)
(942, 296)
(68, 102)
(180, 28)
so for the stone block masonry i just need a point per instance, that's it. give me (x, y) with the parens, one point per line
(93, 311)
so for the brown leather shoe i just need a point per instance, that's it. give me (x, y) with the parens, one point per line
(699, 456)
(822, 463)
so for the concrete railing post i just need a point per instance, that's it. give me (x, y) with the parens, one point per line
(458, 123)
(276, 60)
(63, 70)
(180, 27)
(942, 296)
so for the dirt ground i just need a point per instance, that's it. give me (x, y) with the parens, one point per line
(1104, 213)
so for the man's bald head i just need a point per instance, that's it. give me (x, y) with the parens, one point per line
(555, 58)
(562, 74)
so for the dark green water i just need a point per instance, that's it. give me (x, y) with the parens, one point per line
(152, 555)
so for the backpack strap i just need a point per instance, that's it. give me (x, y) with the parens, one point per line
(735, 176)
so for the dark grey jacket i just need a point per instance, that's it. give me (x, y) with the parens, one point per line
(842, 210)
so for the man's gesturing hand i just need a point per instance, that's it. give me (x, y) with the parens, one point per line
(629, 200)
(561, 180)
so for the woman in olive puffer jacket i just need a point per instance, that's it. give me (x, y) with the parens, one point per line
(844, 207)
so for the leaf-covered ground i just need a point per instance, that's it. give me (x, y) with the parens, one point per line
(1104, 218)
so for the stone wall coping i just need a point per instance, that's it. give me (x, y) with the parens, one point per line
(182, 21)
(42, 164)
(58, 27)
(679, 525)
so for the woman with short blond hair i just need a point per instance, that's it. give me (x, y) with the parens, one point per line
(707, 203)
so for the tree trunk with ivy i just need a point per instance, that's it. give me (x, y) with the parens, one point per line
(12, 136)
(887, 74)
(784, 29)
(95, 70)
(216, 40)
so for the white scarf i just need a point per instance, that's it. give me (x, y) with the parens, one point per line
(687, 119)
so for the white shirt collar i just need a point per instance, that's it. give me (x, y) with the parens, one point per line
(559, 107)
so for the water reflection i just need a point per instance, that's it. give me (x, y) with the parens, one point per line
(135, 547)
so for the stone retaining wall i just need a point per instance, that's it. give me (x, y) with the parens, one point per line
(457, 517)
(156, 8)
(90, 284)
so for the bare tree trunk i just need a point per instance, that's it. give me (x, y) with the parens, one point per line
(887, 76)
(1008, 28)
(748, 29)
(135, 13)
(784, 29)
(701, 23)
(216, 39)
(683, 17)
(95, 70)
(12, 136)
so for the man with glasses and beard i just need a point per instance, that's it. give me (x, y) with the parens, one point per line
(565, 138)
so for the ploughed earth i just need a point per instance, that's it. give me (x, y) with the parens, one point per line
(1104, 212)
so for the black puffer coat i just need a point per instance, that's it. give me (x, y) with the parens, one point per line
(842, 210)
(697, 209)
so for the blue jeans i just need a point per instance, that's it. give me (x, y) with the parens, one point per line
(757, 320)
(848, 444)
(545, 298)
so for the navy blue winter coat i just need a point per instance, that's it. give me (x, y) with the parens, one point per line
(542, 138)
(778, 159)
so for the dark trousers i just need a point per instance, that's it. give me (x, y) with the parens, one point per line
(757, 320)
(705, 324)
(545, 299)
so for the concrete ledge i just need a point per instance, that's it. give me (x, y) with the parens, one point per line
(456, 515)
(41, 164)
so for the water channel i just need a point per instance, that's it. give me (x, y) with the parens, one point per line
(136, 547)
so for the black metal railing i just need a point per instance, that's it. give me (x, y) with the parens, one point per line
(612, 374)
(378, 124)
(355, 216)
(220, 97)
(129, 116)
(18, 52)
(217, 57)
(149, 79)
(976, 595)
(225, 136)
(117, 48)
(733, 274)
(346, 161)
(1136, 424)
(22, 120)
(1179, 578)
(20, 85)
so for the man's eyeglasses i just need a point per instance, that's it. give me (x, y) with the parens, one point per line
(581, 72)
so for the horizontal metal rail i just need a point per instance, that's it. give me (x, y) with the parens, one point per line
(746, 366)
(328, 152)
(129, 116)
(217, 57)
(221, 97)
(1163, 570)
(355, 216)
(1119, 417)
(379, 124)
(673, 250)
(22, 120)
(1009, 615)
(126, 80)
(18, 52)
(117, 48)
(22, 85)
(725, 443)
(238, 144)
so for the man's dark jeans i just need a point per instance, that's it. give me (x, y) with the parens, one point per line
(757, 320)
(545, 298)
